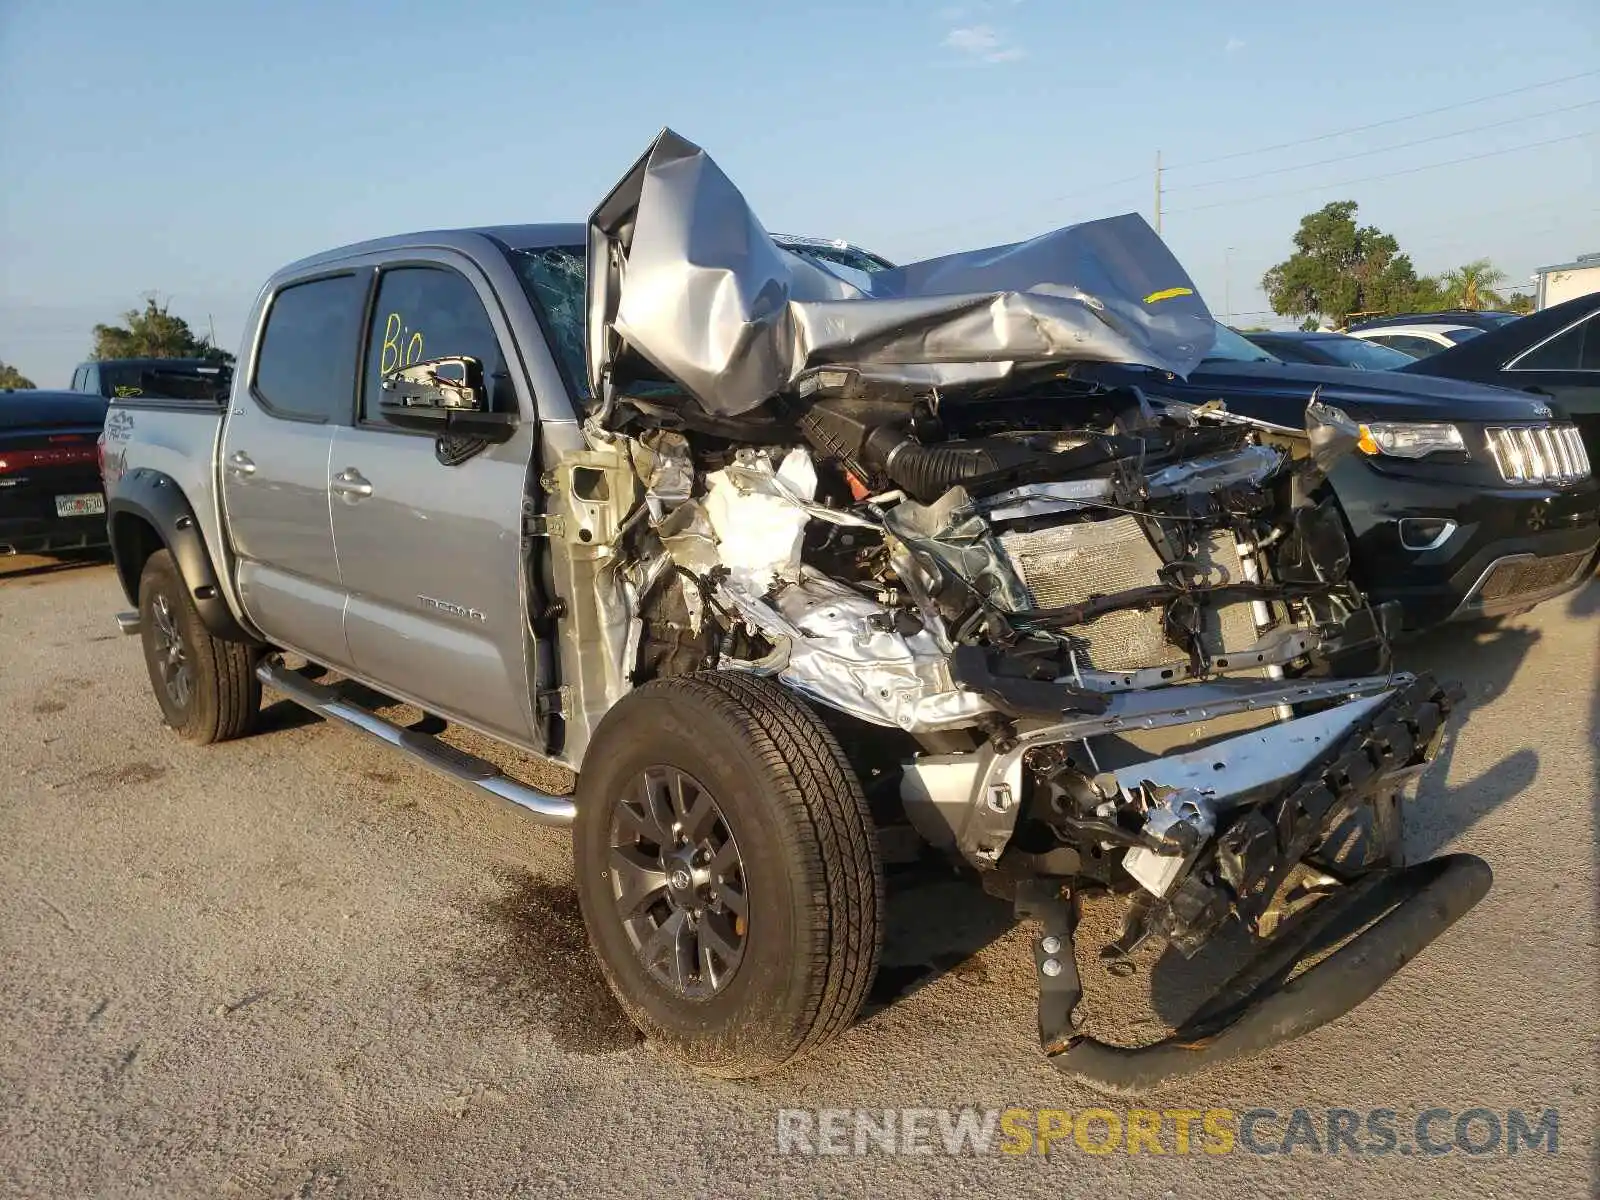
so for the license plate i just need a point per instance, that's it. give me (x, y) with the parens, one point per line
(87, 505)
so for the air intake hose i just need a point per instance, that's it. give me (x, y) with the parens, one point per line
(925, 472)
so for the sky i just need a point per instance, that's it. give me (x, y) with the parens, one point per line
(189, 149)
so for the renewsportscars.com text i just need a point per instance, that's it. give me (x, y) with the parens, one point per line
(1374, 1132)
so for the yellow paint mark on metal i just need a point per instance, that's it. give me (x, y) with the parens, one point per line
(1168, 294)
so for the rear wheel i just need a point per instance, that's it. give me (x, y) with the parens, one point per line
(207, 687)
(728, 871)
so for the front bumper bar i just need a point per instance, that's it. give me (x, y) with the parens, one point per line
(1380, 919)
(1260, 1006)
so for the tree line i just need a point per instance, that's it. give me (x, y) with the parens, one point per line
(1341, 271)
(153, 331)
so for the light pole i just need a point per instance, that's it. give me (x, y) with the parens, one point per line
(1227, 286)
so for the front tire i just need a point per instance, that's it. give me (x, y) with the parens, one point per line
(728, 872)
(206, 687)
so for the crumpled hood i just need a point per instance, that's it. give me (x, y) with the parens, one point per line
(682, 275)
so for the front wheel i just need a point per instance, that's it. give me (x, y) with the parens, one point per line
(207, 687)
(728, 871)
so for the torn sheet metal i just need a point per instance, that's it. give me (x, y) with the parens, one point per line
(682, 274)
(687, 534)
(1252, 465)
(795, 482)
(1256, 764)
(1044, 499)
(1182, 820)
(951, 532)
(1331, 431)
(842, 648)
(663, 461)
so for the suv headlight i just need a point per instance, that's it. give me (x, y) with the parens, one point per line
(1403, 439)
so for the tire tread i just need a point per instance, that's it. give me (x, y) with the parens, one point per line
(827, 835)
(227, 703)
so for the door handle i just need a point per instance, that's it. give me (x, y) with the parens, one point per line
(241, 463)
(351, 485)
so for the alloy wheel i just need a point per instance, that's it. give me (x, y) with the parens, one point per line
(678, 882)
(169, 655)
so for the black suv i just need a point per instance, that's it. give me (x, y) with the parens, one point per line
(1553, 353)
(1464, 500)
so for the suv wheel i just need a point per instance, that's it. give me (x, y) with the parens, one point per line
(207, 687)
(728, 871)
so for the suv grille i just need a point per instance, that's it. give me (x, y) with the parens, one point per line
(1511, 577)
(1539, 453)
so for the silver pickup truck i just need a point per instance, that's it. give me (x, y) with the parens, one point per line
(773, 546)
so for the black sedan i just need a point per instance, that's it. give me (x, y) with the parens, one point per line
(1329, 350)
(1554, 353)
(1464, 500)
(50, 492)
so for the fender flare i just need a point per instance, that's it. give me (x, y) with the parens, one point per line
(156, 499)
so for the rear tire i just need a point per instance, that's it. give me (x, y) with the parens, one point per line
(206, 687)
(722, 803)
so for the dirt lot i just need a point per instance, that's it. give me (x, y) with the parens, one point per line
(297, 965)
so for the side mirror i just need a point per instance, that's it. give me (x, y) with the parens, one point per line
(443, 396)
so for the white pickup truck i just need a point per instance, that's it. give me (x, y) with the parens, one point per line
(772, 545)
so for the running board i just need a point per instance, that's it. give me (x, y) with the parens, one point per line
(464, 768)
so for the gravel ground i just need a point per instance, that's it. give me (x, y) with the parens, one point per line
(298, 965)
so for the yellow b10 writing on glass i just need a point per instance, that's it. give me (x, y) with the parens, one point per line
(401, 346)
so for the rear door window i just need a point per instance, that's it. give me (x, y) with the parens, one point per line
(1578, 349)
(426, 312)
(306, 367)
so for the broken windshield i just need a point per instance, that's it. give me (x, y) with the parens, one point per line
(840, 253)
(552, 277)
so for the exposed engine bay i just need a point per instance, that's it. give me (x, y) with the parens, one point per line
(892, 496)
(987, 585)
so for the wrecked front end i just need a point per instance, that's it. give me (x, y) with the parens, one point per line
(1082, 646)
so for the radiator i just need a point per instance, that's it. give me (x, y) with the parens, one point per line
(1067, 564)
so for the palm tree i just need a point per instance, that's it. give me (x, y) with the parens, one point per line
(1472, 286)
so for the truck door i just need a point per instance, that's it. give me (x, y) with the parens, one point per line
(274, 464)
(430, 553)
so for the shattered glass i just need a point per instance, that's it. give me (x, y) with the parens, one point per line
(553, 280)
